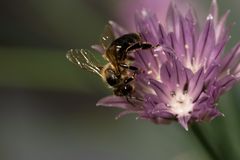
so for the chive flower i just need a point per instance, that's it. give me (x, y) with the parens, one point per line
(185, 75)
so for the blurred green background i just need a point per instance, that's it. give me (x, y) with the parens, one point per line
(47, 105)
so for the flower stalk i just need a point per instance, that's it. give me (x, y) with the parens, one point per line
(204, 142)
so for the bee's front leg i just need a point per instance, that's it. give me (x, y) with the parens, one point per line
(129, 79)
(134, 69)
(126, 66)
(139, 45)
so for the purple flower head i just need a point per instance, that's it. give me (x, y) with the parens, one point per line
(185, 75)
(131, 6)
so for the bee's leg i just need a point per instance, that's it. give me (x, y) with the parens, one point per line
(139, 45)
(146, 45)
(117, 92)
(132, 68)
(131, 99)
(126, 81)
(137, 98)
(130, 102)
(130, 58)
(126, 66)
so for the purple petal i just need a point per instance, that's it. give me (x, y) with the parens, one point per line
(161, 90)
(221, 31)
(191, 15)
(171, 18)
(165, 73)
(174, 74)
(192, 18)
(174, 44)
(163, 39)
(161, 110)
(176, 11)
(146, 23)
(196, 84)
(226, 83)
(212, 73)
(168, 76)
(147, 61)
(180, 74)
(236, 72)
(181, 36)
(117, 29)
(203, 98)
(184, 121)
(206, 41)
(204, 111)
(216, 52)
(231, 59)
(165, 115)
(174, 80)
(188, 39)
(126, 9)
(179, 44)
(189, 74)
(114, 101)
(214, 11)
(213, 114)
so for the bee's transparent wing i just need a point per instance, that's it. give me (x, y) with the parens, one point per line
(107, 36)
(85, 60)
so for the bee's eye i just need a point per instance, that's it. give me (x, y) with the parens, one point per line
(111, 78)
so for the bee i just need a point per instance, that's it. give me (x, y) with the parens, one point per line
(117, 73)
(117, 51)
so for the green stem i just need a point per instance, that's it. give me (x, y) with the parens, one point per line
(205, 143)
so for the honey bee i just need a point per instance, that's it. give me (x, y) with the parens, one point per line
(117, 73)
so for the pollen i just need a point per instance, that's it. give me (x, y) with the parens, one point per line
(209, 17)
(155, 55)
(194, 66)
(144, 13)
(158, 48)
(149, 72)
(158, 78)
(181, 103)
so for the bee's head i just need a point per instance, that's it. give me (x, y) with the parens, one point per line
(111, 77)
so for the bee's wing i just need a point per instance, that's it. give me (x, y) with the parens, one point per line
(107, 36)
(85, 60)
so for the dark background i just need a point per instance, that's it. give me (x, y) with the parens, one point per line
(47, 105)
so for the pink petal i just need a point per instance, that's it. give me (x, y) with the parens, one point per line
(114, 101)
(196, 84)
(184, 121)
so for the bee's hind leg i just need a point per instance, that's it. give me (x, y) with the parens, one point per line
(130, 58)
(126, 66)
(131, 99)
(132, 68)
(126, 81)
(139, 45)
(130, 102)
